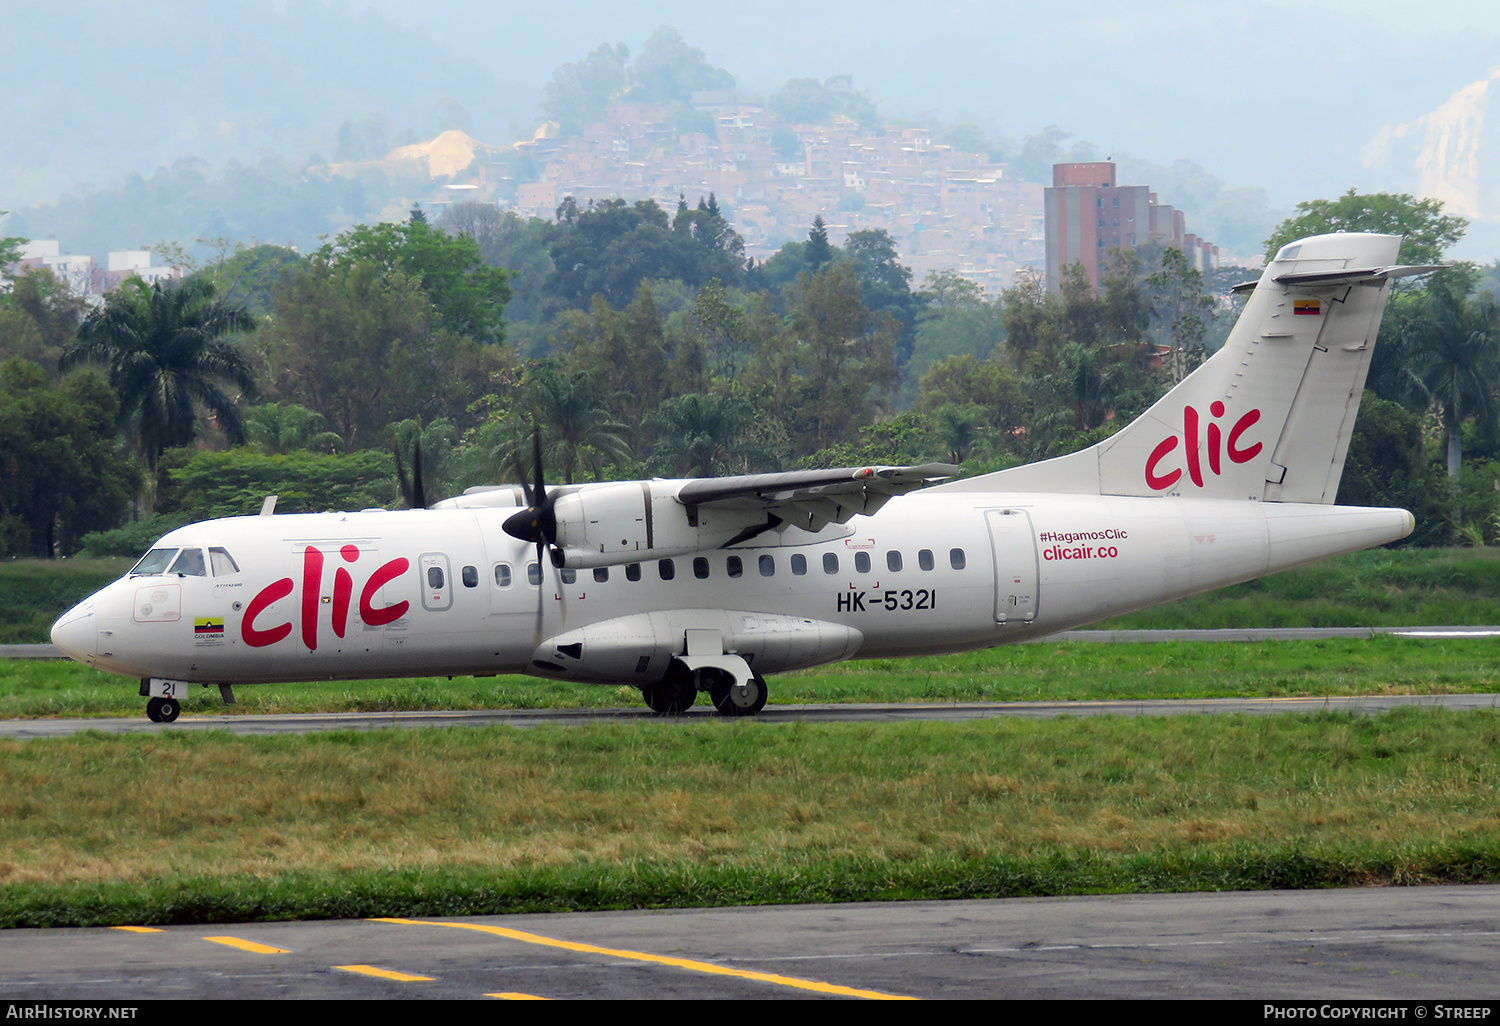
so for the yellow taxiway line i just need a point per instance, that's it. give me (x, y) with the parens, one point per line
(642, 956)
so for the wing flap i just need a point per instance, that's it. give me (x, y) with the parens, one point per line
(812, 499)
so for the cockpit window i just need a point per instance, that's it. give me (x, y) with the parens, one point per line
(154, 562)
(190, 564)
(222, 562)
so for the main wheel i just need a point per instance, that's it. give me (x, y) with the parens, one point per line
(162, 710)
(673, 694)
(733, 699)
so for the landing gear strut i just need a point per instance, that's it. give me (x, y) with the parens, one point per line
(162, 710)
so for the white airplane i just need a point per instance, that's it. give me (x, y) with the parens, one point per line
(679, 587)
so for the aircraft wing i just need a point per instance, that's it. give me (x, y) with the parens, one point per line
(812, 499)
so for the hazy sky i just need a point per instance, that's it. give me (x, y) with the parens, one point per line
(1283, 94)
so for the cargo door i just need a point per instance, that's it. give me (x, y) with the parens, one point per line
(1014, 542)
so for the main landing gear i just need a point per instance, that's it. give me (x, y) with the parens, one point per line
(678, 690)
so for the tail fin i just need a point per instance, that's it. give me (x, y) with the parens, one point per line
(1267, 417)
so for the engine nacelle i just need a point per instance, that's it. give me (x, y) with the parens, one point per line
(634, 521)
(637, 649)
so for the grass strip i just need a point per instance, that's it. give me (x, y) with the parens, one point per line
(199, 827)
(1058, 671)
(605, 886)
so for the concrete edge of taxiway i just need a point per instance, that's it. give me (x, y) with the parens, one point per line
(311, 723)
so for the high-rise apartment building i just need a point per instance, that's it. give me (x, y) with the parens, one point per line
(1088, 214)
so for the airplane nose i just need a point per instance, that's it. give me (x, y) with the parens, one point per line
(76, 633)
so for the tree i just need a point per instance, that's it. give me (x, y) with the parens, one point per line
(10, 246)
(1387, 465)
(363, 346)
(668, 70)
(807, 101)
(275, 429)
(708, 435)
(579, 93)
(467, 293)
(1455, 348)
(609, 248)
(830, 369)
(957, 320)
(1180, 301)
(39, 317)
(574, 418)
(62, 470)
(1426, 229)
(818, 251)
(168, 352)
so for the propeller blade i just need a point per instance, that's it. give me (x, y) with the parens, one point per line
(418, 490)
(538, 521)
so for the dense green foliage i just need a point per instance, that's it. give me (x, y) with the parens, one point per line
(62, 472)
(34, 593)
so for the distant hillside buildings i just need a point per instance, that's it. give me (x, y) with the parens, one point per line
(79, 272)
(1088, 215)
(945, 208)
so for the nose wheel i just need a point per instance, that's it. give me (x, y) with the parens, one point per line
(162, 710)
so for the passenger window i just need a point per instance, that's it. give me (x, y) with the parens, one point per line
(893, 561)
(830, 562)
(862, 562)
(568, 575)
(533, 574)
(601, 574)
(502, 575)
(222, 562)
(700, 568)
(799, 564)
(666, 569)
(632, 571)
(924, 559)
(471, 576)
(154, 562)
(735, 567)
(190, 563)
(768, 566)
(434, 577)
(956, 558)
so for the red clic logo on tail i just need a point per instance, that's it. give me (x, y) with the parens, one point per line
(1212, 439)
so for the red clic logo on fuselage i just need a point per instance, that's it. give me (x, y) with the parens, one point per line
(343, 594)
(1218, 447)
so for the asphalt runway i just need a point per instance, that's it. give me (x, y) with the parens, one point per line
(308, 723)
(1427, 944)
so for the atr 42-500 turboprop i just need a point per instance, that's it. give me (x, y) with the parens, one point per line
(682, 587)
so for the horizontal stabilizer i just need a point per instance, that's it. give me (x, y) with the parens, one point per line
(1347, 276)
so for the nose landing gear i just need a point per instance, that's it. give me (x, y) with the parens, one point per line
(162, 710)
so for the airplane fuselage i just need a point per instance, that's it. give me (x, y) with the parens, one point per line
(448, 592)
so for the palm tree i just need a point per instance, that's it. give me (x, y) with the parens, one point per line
(1455, 345)
(573, 415)
(707, 435)
(166, 354)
